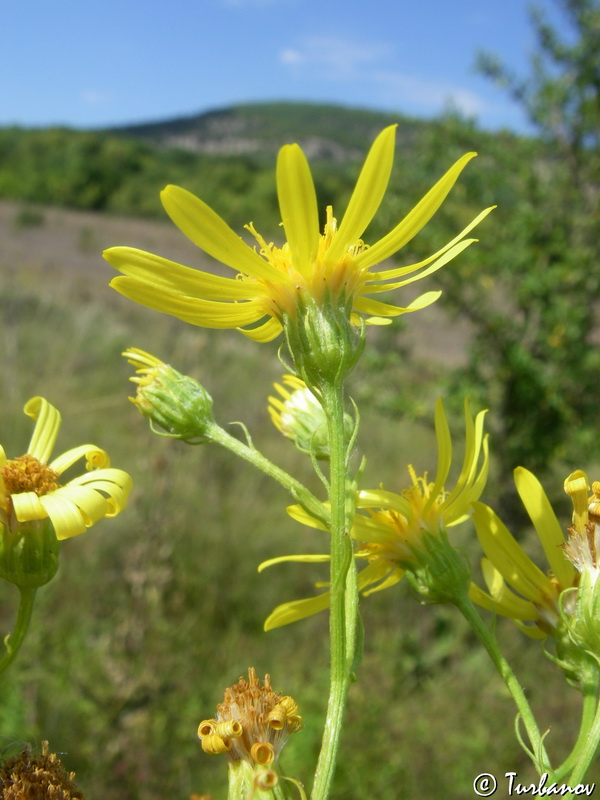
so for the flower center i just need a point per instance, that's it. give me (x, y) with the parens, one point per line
(320, 279)
(28, 474)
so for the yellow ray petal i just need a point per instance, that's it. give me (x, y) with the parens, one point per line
(380, 498)
(212, 234)
(508, 557)
(96, 458)
(374, 574)
(298, 206)
(296, 610)
(368, 306)
(547, 526)
(171, 276)
(308, 558)
(414, 220)
(300, 515)
(265, 332)
(208, 313)
(47, 424)
(27, 507)
(113, 483)
(506, 601)
(367, 195)
(367, 529)
(387, 274)
(66, 517)
(468, 487)
(90, 504)
(444, 449)
(520, 610)
(441, 262)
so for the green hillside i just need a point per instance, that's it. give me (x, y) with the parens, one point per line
(326, 132)
(227, 157)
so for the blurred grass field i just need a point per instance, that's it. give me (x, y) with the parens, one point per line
(154, 613)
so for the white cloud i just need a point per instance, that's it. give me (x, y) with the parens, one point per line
(428, 96)
(333, 57)
(93, 97)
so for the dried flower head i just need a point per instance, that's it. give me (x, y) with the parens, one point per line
(253, 722)
(41, 777)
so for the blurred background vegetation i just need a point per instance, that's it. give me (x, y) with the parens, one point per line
(153, 614)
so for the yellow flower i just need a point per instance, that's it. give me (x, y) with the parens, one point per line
(517, 587)
(30, 488)
(392, 528)
(270, 284)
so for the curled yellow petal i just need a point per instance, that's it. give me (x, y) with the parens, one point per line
(47, 424)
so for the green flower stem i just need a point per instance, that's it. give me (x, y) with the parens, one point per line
(14, 640)
(344, 604)
(485, 636)
(588, 713)
(586, 754)
(307, 500)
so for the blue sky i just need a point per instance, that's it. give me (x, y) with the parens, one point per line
(86, 63)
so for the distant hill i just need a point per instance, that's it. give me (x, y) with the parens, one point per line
(227, 157)
(325, 132)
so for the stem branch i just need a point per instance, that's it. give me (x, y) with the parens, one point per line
(15, 639)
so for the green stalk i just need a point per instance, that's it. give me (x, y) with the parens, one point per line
(485, 636)
(307, 500)
(587, 718)
(14, 640)
(344, 609)
(587, 754)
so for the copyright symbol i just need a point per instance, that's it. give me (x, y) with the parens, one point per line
(485, 785)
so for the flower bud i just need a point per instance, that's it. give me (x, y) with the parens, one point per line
(177, 403)
(300, 417)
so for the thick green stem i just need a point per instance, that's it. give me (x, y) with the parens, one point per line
(307, 500)
(14, 640)
(344, 597)
(485, 636)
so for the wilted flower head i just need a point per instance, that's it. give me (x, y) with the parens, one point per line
(253, 722)
(33, 777)
(252, 725)
(582, 548)
(310, 271)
